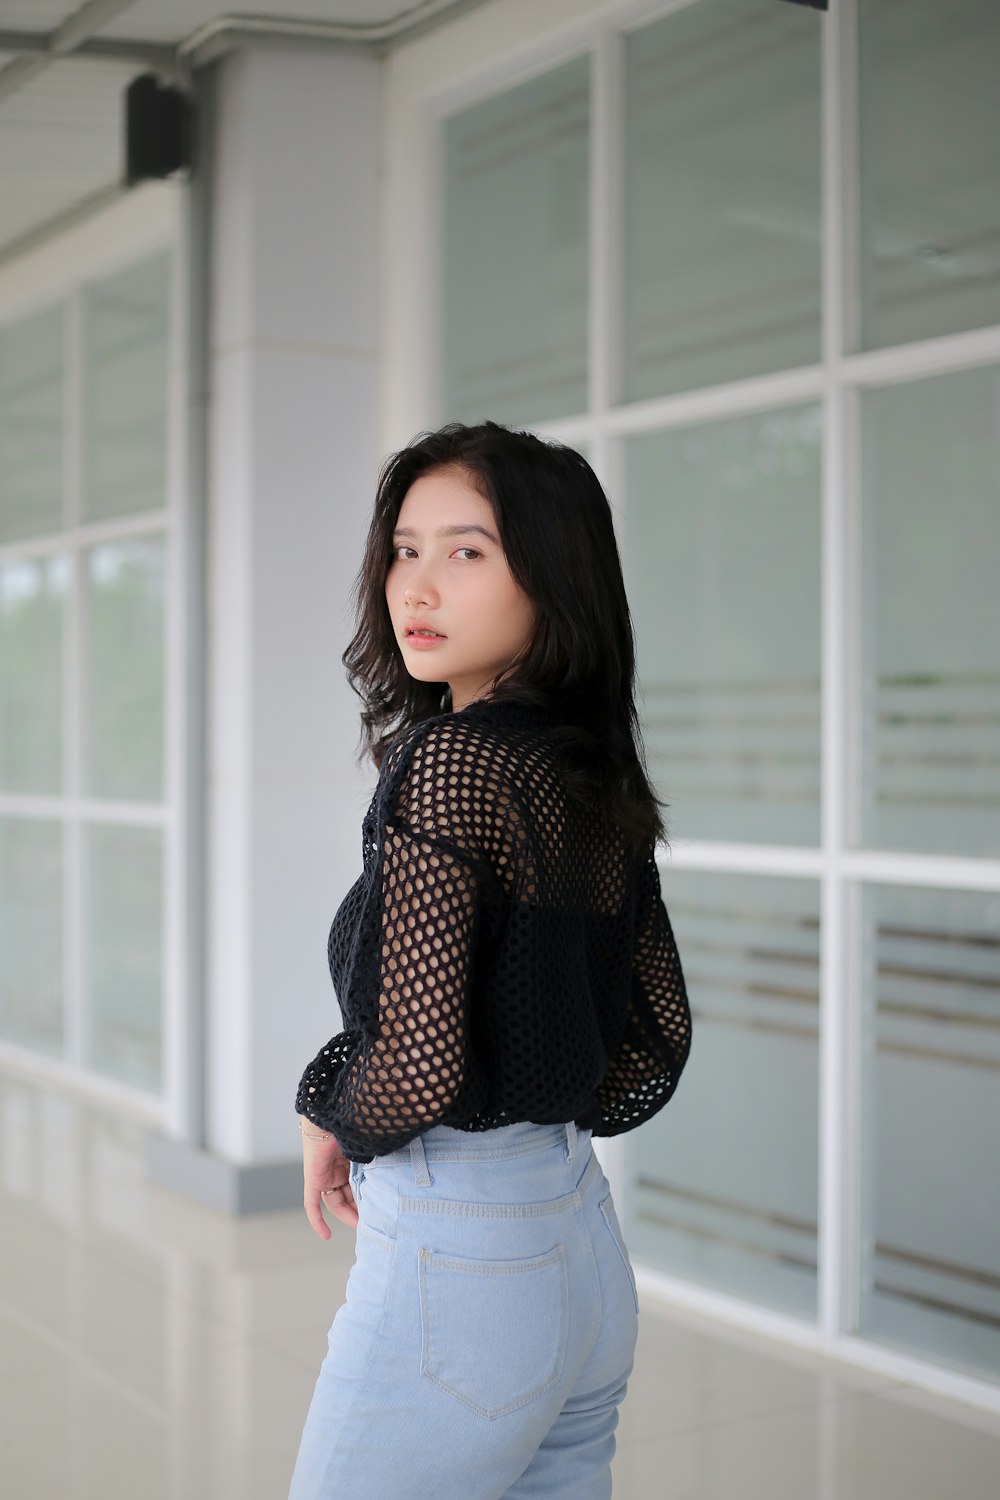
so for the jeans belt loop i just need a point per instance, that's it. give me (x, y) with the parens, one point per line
(418, 1161)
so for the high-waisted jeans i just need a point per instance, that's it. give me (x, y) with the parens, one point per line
(489, 1327)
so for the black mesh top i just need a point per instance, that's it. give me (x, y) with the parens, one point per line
(502, 957)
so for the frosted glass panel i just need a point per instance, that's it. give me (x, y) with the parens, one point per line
(721, 195)
(124, 676)
(32, 602)
(515, 252)
(31, 933)
(930, 740)
(123, 937)
(31, 425)
(930, 168)
(722, 1182)
(722, 556)
(126, 321)
(931, 1200)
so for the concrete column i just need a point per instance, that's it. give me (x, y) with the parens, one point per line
(292, 152)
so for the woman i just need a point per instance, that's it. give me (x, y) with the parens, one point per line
(510, 986)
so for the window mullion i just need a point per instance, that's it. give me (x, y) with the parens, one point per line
(838, 1247)
(72, 688)
(606, 177)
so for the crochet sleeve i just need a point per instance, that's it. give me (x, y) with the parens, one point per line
(405, 1063)
(656, 1040)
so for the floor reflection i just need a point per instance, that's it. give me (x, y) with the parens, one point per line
(149, 1346)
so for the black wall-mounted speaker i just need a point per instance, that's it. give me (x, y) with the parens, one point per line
(157, 129)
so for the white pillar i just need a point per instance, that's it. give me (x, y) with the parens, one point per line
(292, 150)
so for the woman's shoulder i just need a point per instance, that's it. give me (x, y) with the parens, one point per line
(424, 748)
(458, 772)
(478, 735)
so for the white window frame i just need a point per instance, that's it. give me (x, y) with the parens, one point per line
(836, 382)
(137, 226)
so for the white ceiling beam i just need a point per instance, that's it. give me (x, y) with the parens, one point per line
(84, 21)
(101, 49)
(63, 41)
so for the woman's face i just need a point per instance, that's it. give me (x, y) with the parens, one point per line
(449, 572)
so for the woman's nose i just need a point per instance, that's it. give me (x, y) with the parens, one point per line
(421, 589)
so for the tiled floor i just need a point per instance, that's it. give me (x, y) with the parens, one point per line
(151, 1349)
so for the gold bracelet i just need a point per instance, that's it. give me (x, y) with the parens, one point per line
(326, 1136)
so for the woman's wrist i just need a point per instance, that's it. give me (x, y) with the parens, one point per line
(317, 1133)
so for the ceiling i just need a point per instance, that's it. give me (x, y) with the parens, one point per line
(64, 68)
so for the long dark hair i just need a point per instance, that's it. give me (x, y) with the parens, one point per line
(557, 533)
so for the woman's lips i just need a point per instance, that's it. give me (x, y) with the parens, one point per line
(422, 642)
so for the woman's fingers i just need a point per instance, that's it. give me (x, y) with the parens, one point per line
(340, 1202)
(323, 1166)
(314, 1213)
(337, 1200)
(327, 1173)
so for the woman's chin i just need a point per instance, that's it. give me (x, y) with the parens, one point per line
(427, 675)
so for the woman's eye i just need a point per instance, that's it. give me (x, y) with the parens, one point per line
(398, 551)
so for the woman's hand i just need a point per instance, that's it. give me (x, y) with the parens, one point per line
(326, 1172)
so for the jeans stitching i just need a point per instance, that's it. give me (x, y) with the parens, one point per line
(490, 1210)
(504, 1210)
(500, 1153)
(493, 1267)
(618, 1246)
(441, 1152)
(491, 1413)
(374, 1236)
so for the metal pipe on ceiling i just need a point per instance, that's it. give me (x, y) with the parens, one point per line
(223, 33)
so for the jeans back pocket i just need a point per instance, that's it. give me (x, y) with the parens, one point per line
(494, 1332)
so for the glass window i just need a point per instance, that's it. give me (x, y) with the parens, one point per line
(722, 1184)
(123, 938)
(126, 374)
(100, 733)
(31, 425)
(930, 699)
(33, 593)
(715, 275)
(722, 556)
(31, 933)
(721, 195)
(930, 1204)
(515, 252)
(124, 669)
(930, 169)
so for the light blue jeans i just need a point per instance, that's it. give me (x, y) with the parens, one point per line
(489, 1328)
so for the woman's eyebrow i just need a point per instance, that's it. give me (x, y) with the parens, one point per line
(450, 531)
